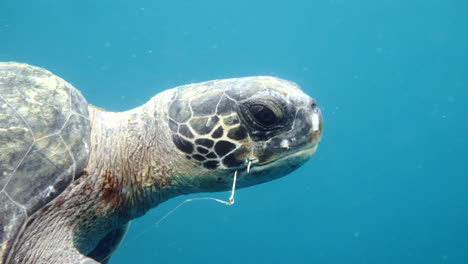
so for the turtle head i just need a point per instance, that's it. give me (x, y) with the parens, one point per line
(263, 127)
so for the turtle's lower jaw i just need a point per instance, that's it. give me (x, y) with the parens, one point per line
(298, 157)
(273, 169)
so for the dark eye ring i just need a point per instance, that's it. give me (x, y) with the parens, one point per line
(264, 115)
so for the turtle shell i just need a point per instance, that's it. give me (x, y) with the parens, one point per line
(44, 143)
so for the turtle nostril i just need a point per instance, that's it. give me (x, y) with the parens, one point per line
(313, 105)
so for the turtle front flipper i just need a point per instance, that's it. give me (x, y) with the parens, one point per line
(52, 251)
(108, 245)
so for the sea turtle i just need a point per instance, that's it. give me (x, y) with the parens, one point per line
(72, 176)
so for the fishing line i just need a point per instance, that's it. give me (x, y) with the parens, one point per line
(230, 201)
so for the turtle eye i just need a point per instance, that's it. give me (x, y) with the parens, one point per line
(264, 115)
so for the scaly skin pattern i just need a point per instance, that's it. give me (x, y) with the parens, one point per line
(137, 161)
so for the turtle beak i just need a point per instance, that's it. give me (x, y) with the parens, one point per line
(316, 121)
(283, 154)
(304, 136)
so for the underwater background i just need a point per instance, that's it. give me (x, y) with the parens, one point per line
(389, 182)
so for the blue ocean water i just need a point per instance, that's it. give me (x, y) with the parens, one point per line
(389, 183)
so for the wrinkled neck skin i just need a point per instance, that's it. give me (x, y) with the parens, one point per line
(133, 167)
(136, 162)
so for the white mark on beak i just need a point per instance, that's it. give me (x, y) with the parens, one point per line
(315, 122)
(284, 144)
